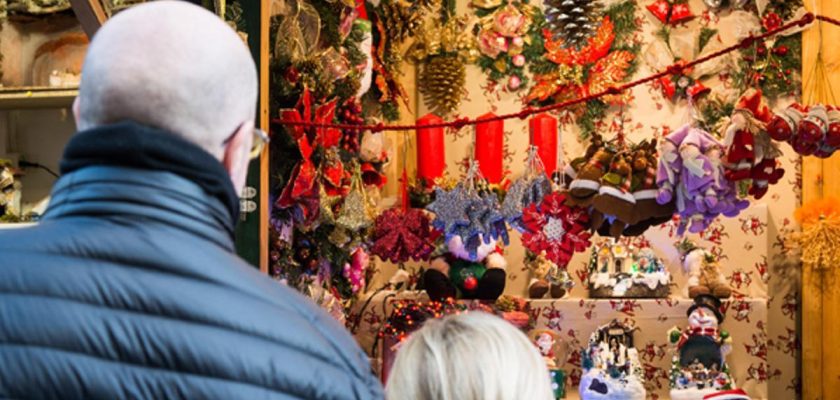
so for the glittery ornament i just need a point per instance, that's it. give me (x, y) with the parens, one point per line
(528, 189)
(402, 235)
(556, 229)
(355, 214)
(450, 209)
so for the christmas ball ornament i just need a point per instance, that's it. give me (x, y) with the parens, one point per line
(517, 42)
(442, 81)
(804, 147)
(514, 82)
(832, 137)
(518, 60)
(813, 128)
(572, 21)
(470, 283)
(780, 128)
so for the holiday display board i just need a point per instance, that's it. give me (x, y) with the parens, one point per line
(748, 245)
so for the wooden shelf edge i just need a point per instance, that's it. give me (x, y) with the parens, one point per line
(29, 98)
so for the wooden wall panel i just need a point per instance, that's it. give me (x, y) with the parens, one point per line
(821, 178)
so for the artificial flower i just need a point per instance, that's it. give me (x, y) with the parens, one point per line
(510, 22)
(491, 43)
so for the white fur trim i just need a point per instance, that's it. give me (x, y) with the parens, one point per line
(495, 261)
(584, 184)
(570, 171)
(609, 190)
(645, 194)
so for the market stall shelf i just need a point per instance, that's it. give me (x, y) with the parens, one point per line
(576, 319)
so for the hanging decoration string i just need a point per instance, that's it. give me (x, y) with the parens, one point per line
(526, 112)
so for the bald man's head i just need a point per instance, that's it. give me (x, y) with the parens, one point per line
(170, 65)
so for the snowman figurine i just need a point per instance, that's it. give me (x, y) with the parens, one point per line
(699, 368)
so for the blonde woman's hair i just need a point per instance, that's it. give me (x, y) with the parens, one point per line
(470, 356)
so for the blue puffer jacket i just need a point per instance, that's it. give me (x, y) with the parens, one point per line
(129, 288)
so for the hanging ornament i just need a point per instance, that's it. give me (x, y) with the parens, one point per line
(442, 50)
(472, 214)
(530, 188)
(354, 218)
(556, 229)
(442, 82)
(571, 22)
(671, 12)
(402, 235)
(450, 209)
(820, 222)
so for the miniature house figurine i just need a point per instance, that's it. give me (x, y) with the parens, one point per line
(611, 364)
(620, 271)
(699, 368)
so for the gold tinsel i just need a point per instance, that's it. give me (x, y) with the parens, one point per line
(442, 82)
(820, 236)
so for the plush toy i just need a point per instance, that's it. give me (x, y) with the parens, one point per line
(547, 278)
(647, 212)
(704, 275)
(691, 174)
(460, 275)
(587, 183)
(750, 154)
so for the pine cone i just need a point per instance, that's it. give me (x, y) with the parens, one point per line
(442, 82)
(401, 18)
(574, 21)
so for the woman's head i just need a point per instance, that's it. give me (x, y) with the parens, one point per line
(470, 356)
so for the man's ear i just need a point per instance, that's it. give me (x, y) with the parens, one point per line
(76, 112)
(236, 157)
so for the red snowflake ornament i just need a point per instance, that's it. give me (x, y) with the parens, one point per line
(400, 235)
(556, 229)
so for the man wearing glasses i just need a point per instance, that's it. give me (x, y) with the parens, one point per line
(129, 287)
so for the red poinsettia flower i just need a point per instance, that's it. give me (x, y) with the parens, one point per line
(556, 229)
(302, 191)
(325, 114)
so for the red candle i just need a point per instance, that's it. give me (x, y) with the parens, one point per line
(544, 136)
(430, 150)
(490, 147)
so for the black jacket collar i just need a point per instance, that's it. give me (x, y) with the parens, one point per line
(135, 146)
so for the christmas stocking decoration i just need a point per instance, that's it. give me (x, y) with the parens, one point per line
(588, 181)
(614, 197)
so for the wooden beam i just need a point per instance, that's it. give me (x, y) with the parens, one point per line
(820, 178)
(91, 15)
(265, 206)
